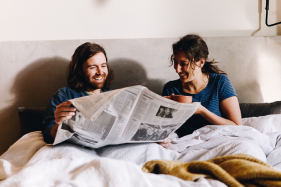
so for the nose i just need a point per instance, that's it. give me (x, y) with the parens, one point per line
(177, 68)
(99, 70)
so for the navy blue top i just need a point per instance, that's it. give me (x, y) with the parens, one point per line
(218, 89)
(62, 95)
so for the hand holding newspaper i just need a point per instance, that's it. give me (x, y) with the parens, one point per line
(128, 115)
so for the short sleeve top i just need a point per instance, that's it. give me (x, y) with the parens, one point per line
(218, 89)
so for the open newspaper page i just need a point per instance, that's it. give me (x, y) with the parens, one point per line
(156, 117)
(100, 119)
(129, 115)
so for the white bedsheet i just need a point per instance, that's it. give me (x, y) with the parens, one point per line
(30, 162)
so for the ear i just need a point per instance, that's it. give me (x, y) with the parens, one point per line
(202, 62)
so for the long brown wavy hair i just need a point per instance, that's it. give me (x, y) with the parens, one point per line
(81, 55)
(195, 48)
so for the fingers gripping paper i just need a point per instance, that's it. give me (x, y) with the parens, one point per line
(129, 115)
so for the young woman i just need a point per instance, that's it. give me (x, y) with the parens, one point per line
(205, 82)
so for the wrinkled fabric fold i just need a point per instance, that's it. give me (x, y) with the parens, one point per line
(233, 170)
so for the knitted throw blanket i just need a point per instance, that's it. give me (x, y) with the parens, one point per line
(234, 170)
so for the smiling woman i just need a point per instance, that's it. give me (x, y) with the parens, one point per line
(205, 82)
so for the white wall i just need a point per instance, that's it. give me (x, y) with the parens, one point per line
(113, 19)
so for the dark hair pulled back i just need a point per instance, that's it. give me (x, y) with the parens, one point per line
(195, 48)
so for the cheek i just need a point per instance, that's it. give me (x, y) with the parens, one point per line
(197, 69)
(91, 73)
(185, 68)
(105, 71)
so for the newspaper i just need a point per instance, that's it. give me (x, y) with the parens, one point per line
(128, 115)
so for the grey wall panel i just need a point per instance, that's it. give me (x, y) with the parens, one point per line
(31, 71)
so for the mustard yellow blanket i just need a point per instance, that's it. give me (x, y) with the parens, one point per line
(234, 170)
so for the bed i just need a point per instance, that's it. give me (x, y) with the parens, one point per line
(30, 162)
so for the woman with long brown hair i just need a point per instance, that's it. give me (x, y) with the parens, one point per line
(205, 82)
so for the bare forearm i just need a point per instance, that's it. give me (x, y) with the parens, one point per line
(213, 118)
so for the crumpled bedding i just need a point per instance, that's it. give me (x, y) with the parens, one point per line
(234, 170)
(30, 162)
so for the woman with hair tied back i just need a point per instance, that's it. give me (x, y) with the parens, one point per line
(205, 82)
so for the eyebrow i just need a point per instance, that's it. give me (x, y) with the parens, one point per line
(92, 65)
(96, 64)
(181, 61)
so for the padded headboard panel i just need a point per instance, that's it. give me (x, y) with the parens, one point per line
(34, 70)
(260, 109)
(31, 117)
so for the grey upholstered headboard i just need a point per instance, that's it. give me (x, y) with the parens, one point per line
(31, 117)
(260, 109)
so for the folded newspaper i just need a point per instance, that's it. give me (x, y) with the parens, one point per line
(128, 115)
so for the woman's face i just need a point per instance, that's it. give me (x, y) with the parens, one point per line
(183, 67)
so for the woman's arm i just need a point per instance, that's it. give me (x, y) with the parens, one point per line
(166, 143)
(229, 107)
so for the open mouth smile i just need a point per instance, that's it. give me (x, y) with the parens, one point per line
(182, 74)
(98, 78)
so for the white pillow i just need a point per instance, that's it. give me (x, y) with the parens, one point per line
(269, 123)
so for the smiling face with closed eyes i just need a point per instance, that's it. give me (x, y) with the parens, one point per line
(95, 72)
(186, 70)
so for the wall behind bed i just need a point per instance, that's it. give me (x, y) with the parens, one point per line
(38, 39)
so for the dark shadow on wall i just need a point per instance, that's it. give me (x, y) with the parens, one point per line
(129, 73)
(99, 2)
(33, 87)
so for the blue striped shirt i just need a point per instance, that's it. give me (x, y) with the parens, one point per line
(218, 89)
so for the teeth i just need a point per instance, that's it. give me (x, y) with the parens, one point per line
(98, 78)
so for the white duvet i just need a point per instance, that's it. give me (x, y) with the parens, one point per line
(30, 162)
